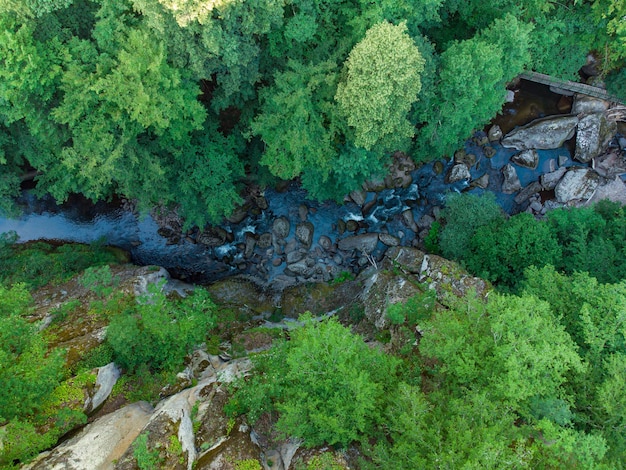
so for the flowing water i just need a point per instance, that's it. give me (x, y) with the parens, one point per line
(80, 221)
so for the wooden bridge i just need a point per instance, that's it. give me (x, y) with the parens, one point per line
(568, 87)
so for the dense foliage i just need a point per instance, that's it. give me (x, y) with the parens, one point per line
(525, 381)
(499, 249)
(326, 383)
(172, 101)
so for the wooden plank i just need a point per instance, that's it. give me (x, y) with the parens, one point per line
(575, 87)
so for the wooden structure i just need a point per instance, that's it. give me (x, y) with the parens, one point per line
(567, 87)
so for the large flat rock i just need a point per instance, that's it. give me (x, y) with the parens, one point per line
(545, 133)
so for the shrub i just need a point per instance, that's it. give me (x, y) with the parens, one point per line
(159, 332)
(326, 384)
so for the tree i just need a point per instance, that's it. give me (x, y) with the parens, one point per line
(326, 384)
(158, 333)
(501, 251)
(382, 81)
(464, 214)
(300, 96)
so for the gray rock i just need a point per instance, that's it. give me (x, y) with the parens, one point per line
(250, 244)
(265, 240)
(358, 197)
(614, 190)
(585, 104)
(303, 212)
(495, 133)
(409, 220)
(352, 225)
(527, 159)
(528, 191)
(622, 143)
(610, 164)
(99, 443)
(365, 243)
(545, 133)
(281, 227)
(341, 226)
(593, 136)
(549, 180)
(325, 242)
(458, 172)
(388, 239)
(295, 256)
(536, 206)
(107, 378)
(237, 216)
(213, 236)
(481, 181)
(374, 185)
(577, 184)
(261, 202)
(563, 159)
(425, 221)
(304, 233)
(301, 268)
(511, 181)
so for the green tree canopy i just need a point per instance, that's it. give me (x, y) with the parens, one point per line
(381, 82)
(326, 384)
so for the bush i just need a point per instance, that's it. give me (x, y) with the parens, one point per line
(501, 251)
(464, 214)
(159, 332)
(326, 384)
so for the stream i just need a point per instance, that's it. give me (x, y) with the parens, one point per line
(78, 220)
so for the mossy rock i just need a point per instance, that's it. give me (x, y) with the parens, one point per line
(318, 298)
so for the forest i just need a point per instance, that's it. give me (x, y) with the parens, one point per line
(177, 102)
(182, 103)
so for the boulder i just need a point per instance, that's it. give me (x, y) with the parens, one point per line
(527, 192)
(365, 243)
(489, 151)
(614, 190)
(511, 181)
(250, 244)
(593, 136)
(458, 172)
(99, 443)
(325, 242)
(281, 227)
(545, 133)
(550, 180)
(495, 133)
(409, 220)
(610, 165)
(425, 222)
(304, 233)
(388, 239)
(212, 236)
(585, 104)
(303, 212)
(527, 159)
(107, 378)
(358, 197)
(481, 182)
(577, 184)
(265, 240)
